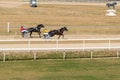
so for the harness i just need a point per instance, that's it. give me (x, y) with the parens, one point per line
(36, 29)
(59, 30)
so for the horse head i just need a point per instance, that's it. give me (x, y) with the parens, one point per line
(65, 29)
(40, 26)
(115, 3)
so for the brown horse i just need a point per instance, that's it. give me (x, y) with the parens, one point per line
(58, 32)
(36, 29)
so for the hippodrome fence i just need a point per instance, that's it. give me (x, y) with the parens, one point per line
(60, 45)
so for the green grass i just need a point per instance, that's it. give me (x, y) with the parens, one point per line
(82, 69)
(27, 55)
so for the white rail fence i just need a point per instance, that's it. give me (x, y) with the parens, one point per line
(59, 45)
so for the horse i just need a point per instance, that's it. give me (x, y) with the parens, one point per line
(111, 4)
(58, 32)
(35, 29)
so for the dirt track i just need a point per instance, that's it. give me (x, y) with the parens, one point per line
(17, 42)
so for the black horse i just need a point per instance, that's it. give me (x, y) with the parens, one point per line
(111, 4)
(58, 32)
(36, 29)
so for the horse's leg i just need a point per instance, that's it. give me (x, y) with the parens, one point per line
(59, 36)
(63, 36)
(39, 34)
(30, 34)
(107, 6)
(113, 7)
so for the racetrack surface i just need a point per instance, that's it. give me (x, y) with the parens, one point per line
(70, 41)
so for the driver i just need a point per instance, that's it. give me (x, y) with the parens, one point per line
(23, 31)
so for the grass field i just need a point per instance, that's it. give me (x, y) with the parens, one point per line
(82, 69)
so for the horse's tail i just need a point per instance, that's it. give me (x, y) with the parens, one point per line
(51, 34)
(31, 29)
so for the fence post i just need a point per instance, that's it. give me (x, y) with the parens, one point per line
(4, 56)
(109, 45)
(57, 44)
(64, 55)
(117, 54)
(91, 55)
(83, 45)
(35, 56)
(8, 27)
